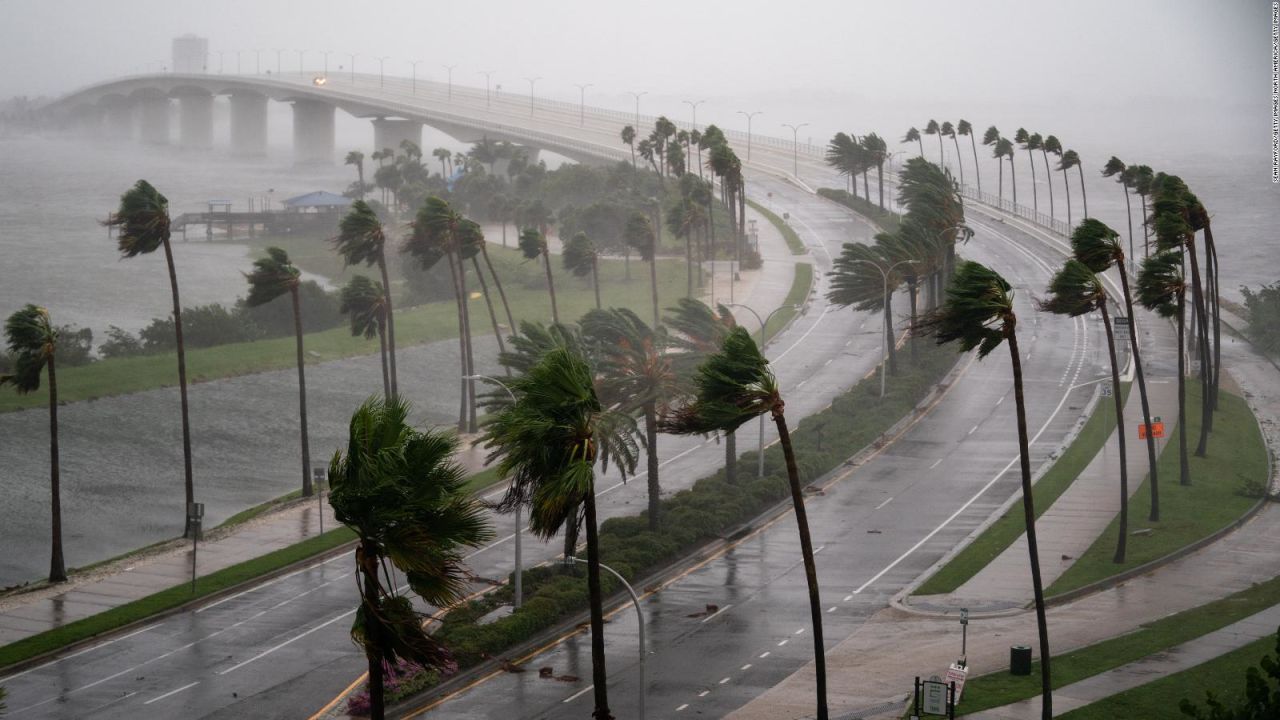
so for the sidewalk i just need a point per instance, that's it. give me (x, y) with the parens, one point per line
(1140, 672)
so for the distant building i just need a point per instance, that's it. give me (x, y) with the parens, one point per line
(190, 54)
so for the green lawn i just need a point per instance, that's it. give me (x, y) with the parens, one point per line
(801, 283)
(1001, 688)
(523, 281)
(788, 234)
(1237, 454)
(1005, 531)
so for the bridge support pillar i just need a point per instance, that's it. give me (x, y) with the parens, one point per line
(153, 120)
(389, 133)
(118, 121)
(529, 153)
(195, 121)
(312, 132)
(248, 124)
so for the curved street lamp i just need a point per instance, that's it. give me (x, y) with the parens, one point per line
(749, 115)
(382, 70)
(635, 600)
(884, 339)
(414, 64)
(519, 584)
(795, 147)
(637, 96)
(449, 69)
(488, 76)
(763, 324)
(532, 80)
(693, 104)
(582, 103)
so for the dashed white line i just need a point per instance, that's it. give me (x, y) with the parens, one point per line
(578, 694)
(800, 631)
(712, 615)
(831, 609)
(171, 692)
(704, 693)
(935, 463)
(682, 707)
(847, 598)
(723, 681)
(886, 502)
(972, 430)
(783, 642)
(764, 654)
(291, 640)
(745, 667)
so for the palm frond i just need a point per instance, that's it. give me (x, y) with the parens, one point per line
(977, 310)
(141, 221)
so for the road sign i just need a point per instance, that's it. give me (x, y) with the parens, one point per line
(933, 696)
(1156, 428)
(957, 674)
(1106, 390)
(1121, 326)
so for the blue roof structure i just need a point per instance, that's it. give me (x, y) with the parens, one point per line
(318, 199)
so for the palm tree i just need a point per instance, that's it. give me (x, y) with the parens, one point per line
(1073, 159)
(629, 139)
(933, 129)
(534, 245)
(399, 490)
(947, 130)
(1143, 178)
(1005, 148)
(581, 258)
(548, 443)
(444, 155)
(639, 234)
(733, 386)
(858, 279)
(1030, 143)
(1099, 248)
(877, 151)
(913, 135)
(1066, 161)
(1116, 168)
(637, 371)
(362, 238)
(1075, 291)
(998, 149)
(440, 232)
(273, 276)
(964, 127)
(355, 157)
(1162, 287)
(365, 303)
(979, 313)
(33, 345)
(698, 332)
(142, 223)
(1051, 144)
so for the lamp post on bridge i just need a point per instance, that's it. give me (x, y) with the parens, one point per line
(326, 54)
(238, 61)
(449, 82)
(749, 115)
(220, 54)
(519, 574)
(637, 96)
(279, 52)
(795, 147)
(257, 62)
(693, 104)
(763, 324)
(382, 74)
(582, 103)
(532, 80)
(353, 67)
(488, 76)
(414, 64)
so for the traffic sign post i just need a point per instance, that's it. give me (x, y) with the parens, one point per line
(1155, 429)
(964, 636)
(195, 513)
(934, 696)
(1106, 390)
(317, 479)
(1120, 323)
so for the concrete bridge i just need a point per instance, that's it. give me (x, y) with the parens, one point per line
(140, 107)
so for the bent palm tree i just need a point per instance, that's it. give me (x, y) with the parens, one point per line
(979, 314)
(401, 493)
(362, 238)
(1116, 168)
(640, 234)
(1075, 291)
(913, 135)
(1030, 143)
(1051, 144)
(858, 278)
(947, 130)
(365, 303)
(355, 157)
(142, 221)
(581, 258)
(273, 276)
(964, 127)
(1066, 161)
(33, 344)
(933, 129)
(734, 386)
(548, 442)
(629, 139)
(1162, 287)
(698, 332)
(533, 243)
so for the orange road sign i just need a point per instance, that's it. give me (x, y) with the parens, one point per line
(1156, 429)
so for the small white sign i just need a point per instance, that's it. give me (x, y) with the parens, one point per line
(1106, 390)
(957, 674)
(934, 697)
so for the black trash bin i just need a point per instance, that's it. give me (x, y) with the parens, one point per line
(1019, 660)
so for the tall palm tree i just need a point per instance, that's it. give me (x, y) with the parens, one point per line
(964, 127)
(877, 152)
(733, 386)
(271, 277)
(948, 130)
(362, 238)
(998, 149)
(857, 278)
(636, 369)
(1030, 143)
(548, 442)
(445, 156)
(474, 243)
(1073, 158)
(1099, 248)
(440, 232)
(932, 128)
(400, 492)
(355, 157)
(698, 331)
(629, 139)
(1143, 178)
(979, 314)
(639, 234)
(913, 135)
(1051, 144)
(1116, 168)
(1075, 290)
(1066, 161)
(581, 258)
(142, 223)
(533, 243)
(364, 302)
(1005, 147)
(1162, 287)
(33, 344)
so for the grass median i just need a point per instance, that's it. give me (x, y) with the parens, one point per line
(801, 283)
(788, 233)
(1004, 532)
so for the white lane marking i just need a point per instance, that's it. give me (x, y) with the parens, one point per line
(828, 362)
(1002, 397)
(847, 598)
(972, 430)
(704, 693)
(745, 667)
(825, 311)
(886, 502)
(579, 694)
(968, 502)
(682, 707)
(799, 632)
(76, 654)
(714, 614)
(831, 609)
(723, 681)
(783, 642)
(935, 463)
(801, 383)
(172, 692)
(819, 549)
(764, 654)
(290, 641)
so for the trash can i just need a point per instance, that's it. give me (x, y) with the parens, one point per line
(1020, 660)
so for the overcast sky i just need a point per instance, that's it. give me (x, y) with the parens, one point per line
(837, 64)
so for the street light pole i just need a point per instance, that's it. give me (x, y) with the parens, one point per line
(279, 52)
(488, 75)
(763, 324)
(382, 74)
(326, 54)
(637, 96)
(582, 104)
(635, 600)
(257, 62)
(353, 67)
(532, 80)
(449, 70)
(519, 574)
(694, 105)
(749, 116)
(884, 335)
(414, 64)
(795, 147)
(301, 72)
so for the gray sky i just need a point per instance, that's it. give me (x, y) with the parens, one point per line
(834, 63)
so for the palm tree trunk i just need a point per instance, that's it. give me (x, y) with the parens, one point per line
(688, 262)
(1035, 194)
(1134, 346)
(891, 347)
(382, 342)
(880, 181)
(465, 299)
(1212, 249)
(1202, 342)
(1067, 187)
(920, 141)
(372, 628)
(977, 171)
(497, 283)
(866, 188)
(1146, 228)
(595, 278)
(653, 284)
(1000, 186)
(1029, 516)
(1013, 181)
(911, 296)
(731, 458)
(360, 175)
(182, 386)
(488, 301)
(599, 676)
(302, 393)
(651, 461)
(1128, 211)
(1048, 182)
(391, 324)
(1120, 433)
(551, 286)
(1084, 196)
(57, 567)
(959, 162)
(942, 163)
(1184, 463)
(806, 551)
(462, 347)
